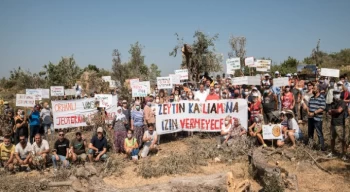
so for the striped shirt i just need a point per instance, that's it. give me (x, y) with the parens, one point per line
(137, 117)
(316, 103)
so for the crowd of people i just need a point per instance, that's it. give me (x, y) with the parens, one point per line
(300, 102)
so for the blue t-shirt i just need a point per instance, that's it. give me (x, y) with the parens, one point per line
(99, 144)
(34, 118)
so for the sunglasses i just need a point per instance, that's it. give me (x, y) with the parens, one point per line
(61, 134)
(309, 85)
(21, 139)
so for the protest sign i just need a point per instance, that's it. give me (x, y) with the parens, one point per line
(164, 83)
(280, 82)
(183, 73)
(329, 72)
(254, 80)
(23, 100)
(104, 100)
(70, 92)
(112, 83)
(36, 92)
(75, 113)
(249, 61)
(263, 65)
(240, 80)
(106, 78)
(272, 131)
(233, 64)
(45, 93)
(206, 116)
(175, 79)
(57, 91)
(139, 89)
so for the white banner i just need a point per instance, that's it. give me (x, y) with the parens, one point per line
(164, 83)
(249, 61)
(232, 65)
(246, 80)
(280, 82)
(254, 80)
(139, 90)
(106, 78)
(112, 83)
(175, 79)
(36, 92)
(329, 72)
(272, 131)
(199, 116)
(105, 100)
(263, 65)
(57, 91)
(45, 93)
(75, 113)
(70, 92)
(23, 100)
(183, 73)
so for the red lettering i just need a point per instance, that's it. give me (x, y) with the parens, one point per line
(187, 123)
(169, 107)
(203, 123)
(165, 109)
(219, 108)
(182, 122)
(217, 127)
(212, 124)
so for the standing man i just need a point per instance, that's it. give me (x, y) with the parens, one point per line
(297, 98)
(201, 95)
(315, 108)
(126, 112)
(34, 119)
(212, 95)
(269, 105)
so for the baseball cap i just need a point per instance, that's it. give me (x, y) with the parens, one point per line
(340, 83)
(6, 103)
(99, 130)
(124, 101)
(288, 75)
(276, 72)
(266, 74)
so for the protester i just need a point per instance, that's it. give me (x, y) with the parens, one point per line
(119, 130)
(60, 152)
(287, 99)
(21, 126)
(269, 104)
(150, 139)
(149, 114)
(46, 117)
(212, 95)
(34, 119)
(130, 145)
(201, 95)
(225, 131)
(7, 154)
(98, 147)
(126, 112)
(7, 108)
(255, 130)
(23, 152)
(236, 131)
(255, 108)
(297, 97)
(77, 151)
(291, 131)
(41, 150)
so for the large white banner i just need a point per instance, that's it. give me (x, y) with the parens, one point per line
(329, 72)
(246, 80)
(206, 116)
(183, 73)
(57, 91)
(164, 83)
(23, 100)
(232, 65)
(75, 113)
(36, 92)
(70, 92)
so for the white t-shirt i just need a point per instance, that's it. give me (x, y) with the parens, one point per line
(44, 146)
(293, 125)
(201, 96)
(23, 152)
(226, 129)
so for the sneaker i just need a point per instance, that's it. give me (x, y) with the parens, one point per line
(344, 158)
(330, 155)
(264, 145)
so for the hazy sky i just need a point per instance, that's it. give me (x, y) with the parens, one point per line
(32, 33)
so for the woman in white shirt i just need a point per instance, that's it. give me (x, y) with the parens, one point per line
(293, 132)
(225, 131)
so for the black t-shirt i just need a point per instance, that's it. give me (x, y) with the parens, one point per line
(126, 112)
(19, 121)
(338, 119)
(268, 103)
(61, 147)
(99, 144)
(295, 92)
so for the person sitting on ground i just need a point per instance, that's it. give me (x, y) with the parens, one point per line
(255, 130)
(225, 131)
(77, 148)
(98, 147)
(60, 152)
(7, 152)
(150, 139)
(237, 130)
(23, 152)
(41, 150)
(291, 131)
(130, 145)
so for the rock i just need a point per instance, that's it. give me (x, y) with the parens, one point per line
(82, 172)
(92, 170)
(217, 159)
(293, 159)
(76, 186)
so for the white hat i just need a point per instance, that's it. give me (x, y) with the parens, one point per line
(288, 75)
(276, 72)
(340, 83)
(255, 94)
(266, 74)
(295, 74)
(99, 130)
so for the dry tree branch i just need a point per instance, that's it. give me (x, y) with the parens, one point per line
(317, 164)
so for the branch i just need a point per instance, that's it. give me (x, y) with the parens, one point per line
(317, 164)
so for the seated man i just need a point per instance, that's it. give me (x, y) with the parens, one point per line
(291, 131)
(23, 152)
(98, 146)
(7, 152)
(77, 148)
(40, 151)
(150, 139)
(60, 152)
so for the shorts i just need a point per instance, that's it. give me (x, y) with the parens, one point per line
(82, 157)
(338, 131)
(298, 136)
(92, 152)
(146, 149)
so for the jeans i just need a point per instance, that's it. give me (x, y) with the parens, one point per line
(312, 125)
(48, 126)
(34, 129)
(92, 152)
(62, 159)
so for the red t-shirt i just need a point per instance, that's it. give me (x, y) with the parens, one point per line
(212, 97)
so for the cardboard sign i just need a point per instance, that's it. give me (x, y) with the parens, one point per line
(175, 79)
(106, 78)
(280, 82)
(112, 83)
(141, 89)
(249, 61)
(199, 116)
(329, 72)
(132, 81)
(23, 100)
(69, 92)
(57, 91)
(263, 65)
(75, 113)
(232, 65)
(45, 93)
(183, 73)
(272, 131)
(240, 80)
(254, 80)
(104, 100)
(36, 92)
(164, 83)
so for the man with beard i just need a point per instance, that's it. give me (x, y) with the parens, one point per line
(315, 108)
(23, 152)
(269, 104)
(212, 95)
